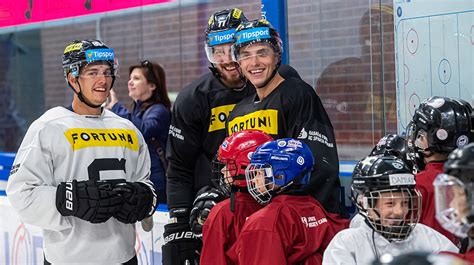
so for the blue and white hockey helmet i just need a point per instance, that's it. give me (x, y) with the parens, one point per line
(277, 166)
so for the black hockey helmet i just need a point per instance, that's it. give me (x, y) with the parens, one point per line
(373, 178)
(222, 24)
(220, 30)
(256, 31)
(447, 124)
(392, 144)
(79, 53)
(461, 163)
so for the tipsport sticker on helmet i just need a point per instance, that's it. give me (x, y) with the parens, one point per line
(100, 55)
(252, 34)
(221, 37)
(85, 138)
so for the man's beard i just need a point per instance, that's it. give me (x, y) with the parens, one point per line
(232, 81)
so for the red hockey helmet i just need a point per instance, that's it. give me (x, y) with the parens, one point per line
(233, 158)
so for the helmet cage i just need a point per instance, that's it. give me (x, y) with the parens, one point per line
(260, 182)
(367, 205)
(225, 174)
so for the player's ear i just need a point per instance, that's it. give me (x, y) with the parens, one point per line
(71, 79)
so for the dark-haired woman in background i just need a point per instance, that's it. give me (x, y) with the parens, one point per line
(150, 114)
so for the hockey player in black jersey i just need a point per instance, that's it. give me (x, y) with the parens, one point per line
(284, 107)
(196, 132)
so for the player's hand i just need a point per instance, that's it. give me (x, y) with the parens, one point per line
(89, 200)
(181, 245)
(206, 198)
(113, 99)
(139, 201)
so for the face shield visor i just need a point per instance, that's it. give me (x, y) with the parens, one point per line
(454, 209)
(218, 45)
(251, 52)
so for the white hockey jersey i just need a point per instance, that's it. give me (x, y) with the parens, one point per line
(359, 246)
(60, 146)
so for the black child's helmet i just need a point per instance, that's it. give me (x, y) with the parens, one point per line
(445, 122)
(392, 144)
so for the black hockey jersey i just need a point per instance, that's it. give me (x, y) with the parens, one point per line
(197, 129)
(294, 110)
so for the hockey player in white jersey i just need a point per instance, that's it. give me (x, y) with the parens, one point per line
(81, 172)
(383, 188)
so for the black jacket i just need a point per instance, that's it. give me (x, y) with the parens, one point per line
(197, 129)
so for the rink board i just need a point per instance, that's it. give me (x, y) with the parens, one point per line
(21, 243)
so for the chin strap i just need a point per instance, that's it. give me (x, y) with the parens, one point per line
(81, 97)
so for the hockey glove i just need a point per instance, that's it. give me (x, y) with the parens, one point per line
(206, 198)
(139, 201)
(89, 200)
(181, 245)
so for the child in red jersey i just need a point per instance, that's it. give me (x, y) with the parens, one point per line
(226, 218)
(293, 228)
(439, 125)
